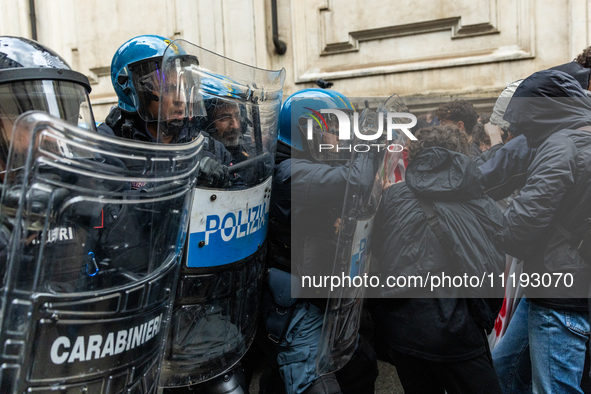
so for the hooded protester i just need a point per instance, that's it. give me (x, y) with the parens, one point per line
(546, 223)
(439, 344)
(505, 166)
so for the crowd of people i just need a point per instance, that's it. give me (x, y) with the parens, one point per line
(474, 192)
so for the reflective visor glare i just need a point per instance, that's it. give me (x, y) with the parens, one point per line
(179, 95)
(66, 100)
(146, 80)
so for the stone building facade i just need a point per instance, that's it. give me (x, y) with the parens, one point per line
(419, 48)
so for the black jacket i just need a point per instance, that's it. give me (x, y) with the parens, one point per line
(440, 329)
(549, 107)
(575, 70)
(470, 220)
(506, 168)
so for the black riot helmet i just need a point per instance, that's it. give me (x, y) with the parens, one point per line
(33, 77)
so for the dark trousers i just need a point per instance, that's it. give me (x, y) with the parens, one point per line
(420, 376)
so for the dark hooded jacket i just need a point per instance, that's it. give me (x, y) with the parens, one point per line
(549, 107)
(575, 70)
(506, 168)
(438, 329)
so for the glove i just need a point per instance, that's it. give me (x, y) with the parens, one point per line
(213, 174)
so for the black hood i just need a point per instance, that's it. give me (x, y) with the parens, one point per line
(546, 102)
(442, 175)
(574, 69)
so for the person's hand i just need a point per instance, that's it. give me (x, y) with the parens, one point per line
(213, 174)
(337, 226)
(494, 132)
(389, 184)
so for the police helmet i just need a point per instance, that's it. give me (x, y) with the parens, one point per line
(303, 127)
(33, 77)
(137, 70)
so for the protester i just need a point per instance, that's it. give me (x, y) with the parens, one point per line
(553, 199)
(484, 117)
(436, 344)
(481, 138)
(463, 115)
(506, 166)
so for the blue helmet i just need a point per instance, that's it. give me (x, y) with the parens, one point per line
(134, 60)
(304, 105)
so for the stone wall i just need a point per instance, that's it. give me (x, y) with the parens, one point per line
(468, 48)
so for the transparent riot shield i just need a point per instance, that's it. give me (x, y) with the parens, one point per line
(90, 265)
(217, 302)
(353, 258)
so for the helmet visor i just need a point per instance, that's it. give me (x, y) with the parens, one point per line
(63, 99)
(146, 77)
(174, 92)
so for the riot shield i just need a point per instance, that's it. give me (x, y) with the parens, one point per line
(353, 258)
(217, 301)
(90, 265)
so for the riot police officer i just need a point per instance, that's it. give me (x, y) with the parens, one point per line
(64, 188)
(217, 298)
(307, 199)
(135, 76)
(33, 77)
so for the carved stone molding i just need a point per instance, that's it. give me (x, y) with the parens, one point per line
(492, 31)
(454, 24)
(97, 72)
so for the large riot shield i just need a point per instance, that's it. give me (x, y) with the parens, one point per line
(217, 301)
(353, 258)
(90, 266)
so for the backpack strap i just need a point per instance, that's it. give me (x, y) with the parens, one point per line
(569, 236)
(433, 222)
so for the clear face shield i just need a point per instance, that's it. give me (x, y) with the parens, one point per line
(63, 99)
(216, 308)
(171, 96)
(88, 256)
(239, 112)
(237, 125)
(226, 121)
